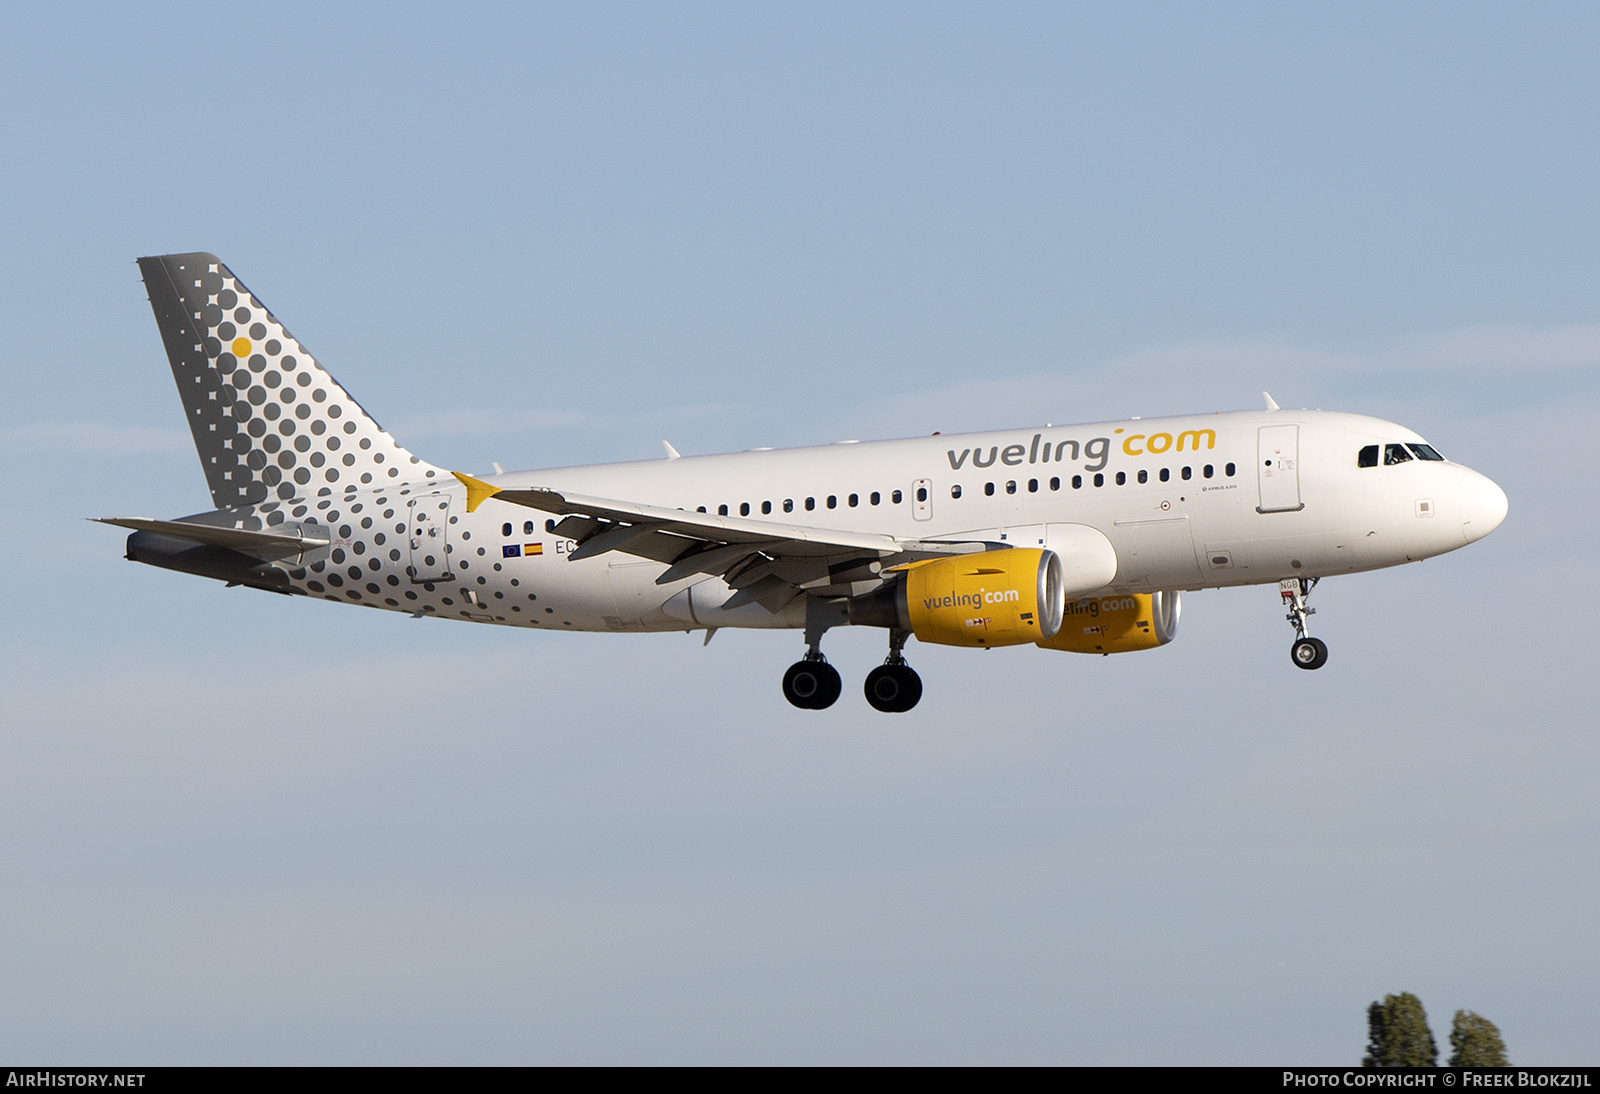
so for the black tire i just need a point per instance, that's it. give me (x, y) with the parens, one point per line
(883, 689)
(893, 689)
(802, 684)
(1309, 653)
(832, 686)
(912, 695)
(812, 685)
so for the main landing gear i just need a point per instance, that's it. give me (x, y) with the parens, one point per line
(812, 684)
(1307, 652)
(893, 687)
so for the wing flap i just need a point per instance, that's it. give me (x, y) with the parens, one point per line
(712, 560)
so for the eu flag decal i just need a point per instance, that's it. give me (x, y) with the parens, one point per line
(510, 551)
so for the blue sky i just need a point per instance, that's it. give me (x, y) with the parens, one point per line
(241, 828)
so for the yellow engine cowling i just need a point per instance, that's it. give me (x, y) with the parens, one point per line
(1117, 624)
(998, 598)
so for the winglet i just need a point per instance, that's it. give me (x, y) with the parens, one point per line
(1271, 405)
(478, 491)
(672, 453)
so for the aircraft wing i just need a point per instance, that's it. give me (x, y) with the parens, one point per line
(766, 562)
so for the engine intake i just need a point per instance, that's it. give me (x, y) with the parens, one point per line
(1117, 624)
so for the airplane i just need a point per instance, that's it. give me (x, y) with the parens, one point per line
(1079, 538)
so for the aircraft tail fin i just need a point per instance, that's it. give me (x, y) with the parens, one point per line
(268, 420)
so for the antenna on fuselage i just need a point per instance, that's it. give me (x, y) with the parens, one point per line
(1271, 403)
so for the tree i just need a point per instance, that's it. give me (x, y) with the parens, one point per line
(1398, 1034)
(1475, 1042)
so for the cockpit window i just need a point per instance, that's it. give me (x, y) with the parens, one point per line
(1368, 456)
(1395, 453)
(1426, 452)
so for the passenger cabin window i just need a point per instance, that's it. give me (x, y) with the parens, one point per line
(811, 503)
(1368, 456)
(1055, 484)
(1033, 486)
(1188, 473)
(722, 510)
(1426, 452)
(1011, 487)
(527, 527)
(875, 498)
(744, 509)
(855, 500)
(833, 501)
(505, 529)
(1144, 476)
(1077, 482)
(1395, 453)
(788, 505)
(922, 493)
(988, 488)
(1209, 471)
(766, 507)
(1166, 473)
(1099, 480)
(1122, 478)
(955, 491)
(1230, 470)
(895, 497)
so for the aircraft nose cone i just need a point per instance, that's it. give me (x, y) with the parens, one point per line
(1483, 506)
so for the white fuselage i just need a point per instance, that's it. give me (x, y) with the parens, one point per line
(1237, 498)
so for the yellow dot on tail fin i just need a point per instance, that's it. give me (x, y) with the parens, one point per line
(241, 348)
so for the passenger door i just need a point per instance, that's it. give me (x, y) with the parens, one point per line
(1278, 469)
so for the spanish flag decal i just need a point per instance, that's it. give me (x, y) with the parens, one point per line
(533, 548)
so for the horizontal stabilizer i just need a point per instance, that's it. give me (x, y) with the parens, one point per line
(263, 545)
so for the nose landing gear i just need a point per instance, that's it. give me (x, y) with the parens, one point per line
(1307, 652)
(894, 687)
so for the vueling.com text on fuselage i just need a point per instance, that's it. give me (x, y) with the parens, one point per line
(1093, 453)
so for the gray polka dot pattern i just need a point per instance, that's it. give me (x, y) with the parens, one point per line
(270, 423)
(283, 445)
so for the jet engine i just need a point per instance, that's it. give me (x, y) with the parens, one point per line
(1117, 623)
(998, 598)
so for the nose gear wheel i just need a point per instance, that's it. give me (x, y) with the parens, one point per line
(1307, 652)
